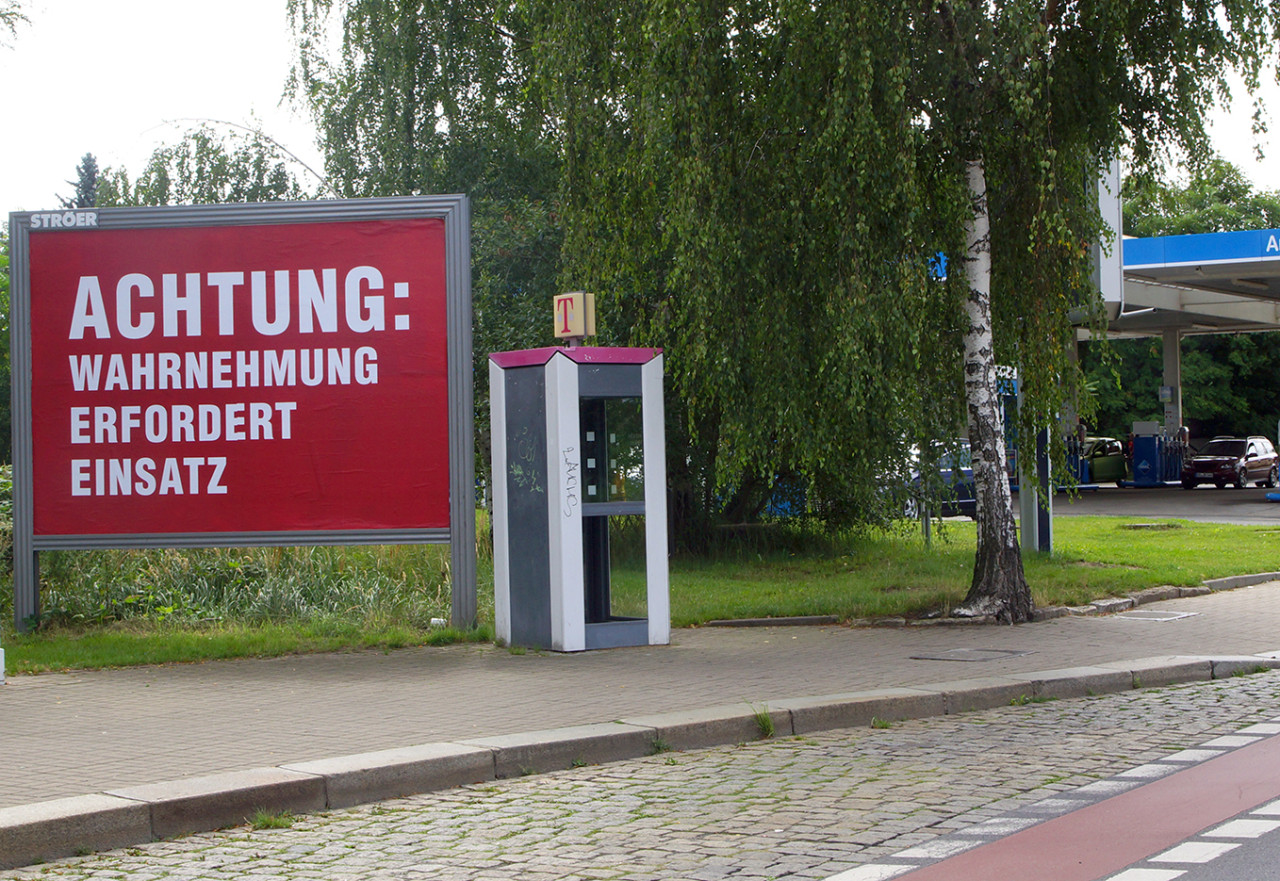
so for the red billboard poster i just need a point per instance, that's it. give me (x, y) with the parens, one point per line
(286, 377)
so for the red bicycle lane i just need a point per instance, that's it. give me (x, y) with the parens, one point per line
(1101, 839)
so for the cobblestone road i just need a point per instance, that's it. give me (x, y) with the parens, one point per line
(806, 807)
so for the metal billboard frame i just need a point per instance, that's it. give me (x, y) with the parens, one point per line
(454, 210)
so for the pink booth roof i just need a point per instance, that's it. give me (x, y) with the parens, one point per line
(580, 355)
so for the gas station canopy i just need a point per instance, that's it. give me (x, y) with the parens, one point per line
(1226, 282)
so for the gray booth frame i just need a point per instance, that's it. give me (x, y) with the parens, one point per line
(540, 579)
(454, 210)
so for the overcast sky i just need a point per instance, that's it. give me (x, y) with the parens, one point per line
(111, 77)
(116, 78)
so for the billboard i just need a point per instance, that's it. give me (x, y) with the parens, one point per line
(256, 374)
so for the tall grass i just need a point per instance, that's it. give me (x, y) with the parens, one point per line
(371, 585)
(366, 587)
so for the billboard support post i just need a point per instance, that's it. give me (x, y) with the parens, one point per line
(462, 546)
(243, 375)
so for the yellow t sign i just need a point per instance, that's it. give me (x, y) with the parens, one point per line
(575, 315)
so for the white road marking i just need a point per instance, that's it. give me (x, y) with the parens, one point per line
(1243, 829)
(1261, 728)
(1000, 826)
(1057, 805)
(1195, 852)
(1231, 740)
(1145, 771)
(1268, 810)
(1109, 787)
(873, 872)
(936, 850)
(1193, 755)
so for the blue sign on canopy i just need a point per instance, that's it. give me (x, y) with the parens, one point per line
(1206, 248)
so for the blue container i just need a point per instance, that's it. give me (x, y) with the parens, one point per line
(1147, 465)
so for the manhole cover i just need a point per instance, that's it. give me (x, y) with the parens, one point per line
(1151, 615)
(970, 655)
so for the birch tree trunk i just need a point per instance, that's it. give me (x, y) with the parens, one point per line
(999, 586)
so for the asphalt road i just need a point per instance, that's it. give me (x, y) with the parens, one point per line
(1204, 503)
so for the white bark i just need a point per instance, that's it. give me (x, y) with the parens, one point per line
(999, 586)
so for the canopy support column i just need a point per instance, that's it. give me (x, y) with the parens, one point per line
(1171, 392)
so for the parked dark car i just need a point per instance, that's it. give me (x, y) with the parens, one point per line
(951, 495)
(1235, 460)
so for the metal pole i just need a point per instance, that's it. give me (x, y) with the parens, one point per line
(26, 577)
(462, 488)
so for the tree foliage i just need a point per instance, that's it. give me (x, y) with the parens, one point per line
(415, 90)
(1042, 95)
(1217, 198)
(757, 187)
(10, 17)
(742, 186)
(427, 97)
(86, 184)
(205, 167)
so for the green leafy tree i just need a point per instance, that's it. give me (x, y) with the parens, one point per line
(1217, 198)
(698, 136)
(1027, 101)
(206, 167)
(742, 187)
(86, 184)
(427, 97)
(757, 186)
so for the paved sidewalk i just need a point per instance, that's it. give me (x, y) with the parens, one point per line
(72, 734)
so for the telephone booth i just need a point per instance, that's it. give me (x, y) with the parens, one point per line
(579, 498)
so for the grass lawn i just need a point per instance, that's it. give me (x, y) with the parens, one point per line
(896, 575)
(852, 577)
(145, 642)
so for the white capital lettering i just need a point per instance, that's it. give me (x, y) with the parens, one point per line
(129, 329)
(90, 311)
(356, 320)
(258, 292)
(226, 283)
(173, 303)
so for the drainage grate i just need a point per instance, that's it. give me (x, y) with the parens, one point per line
(1152, 615)
(971, 655)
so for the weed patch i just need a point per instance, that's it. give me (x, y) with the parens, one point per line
(263, 819)
(764, 720)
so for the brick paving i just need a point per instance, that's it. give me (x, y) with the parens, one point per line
(804, 807)
(71, 734)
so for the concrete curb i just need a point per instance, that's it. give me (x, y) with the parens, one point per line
(198, 804)
(715, 726)
(53, 829)
(536, 752)
(392, 773)
(859, 709)
(1234, 581)
(136, 815)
